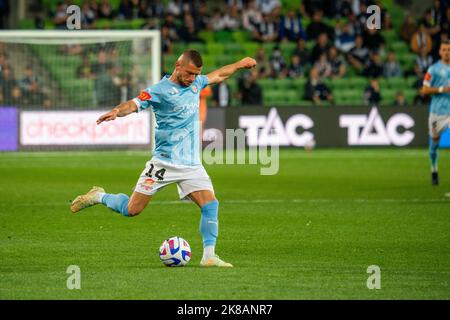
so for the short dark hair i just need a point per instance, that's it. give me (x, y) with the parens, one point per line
(194, 57)
(445, 42)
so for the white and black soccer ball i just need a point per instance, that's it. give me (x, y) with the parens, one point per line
(175, 252)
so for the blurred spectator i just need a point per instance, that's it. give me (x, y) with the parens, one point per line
(169, 23)
(372, 95)
(10, 91)
(88, 16)
(4, 13)
(152, 23)
(409, 27)
(392, 67)
(216, 22)
(31, 88)
(277, 64)
(38, 12)
(175, 8)
(101, 65)
(108, 87)
(105, 10)
(322, 46)
(263, 65)
(291, 28)
(187, 32)
(421, 39)
(306, 8)
(437, 13)
(3, 62)
(201, 17)
(315, 90)
(374, 67)
(358, 55)
(251, 16)
(296, 69)
(60, 16)
(361, 16)
(344, 8)
(222, 94)
(231, 20)
(373, 40)
(70, 49)
(323, 66)
(344, 37)
(301, 51)
(145, 10)
(445, 24)
(400, 100)
(433, 24)
(128, 9)
(166, 41)
(338, 67)
(267, 30)
(85, 69)
(249, 90)
(238, 3)
(317, 27)
(267, 6)
(423, 62)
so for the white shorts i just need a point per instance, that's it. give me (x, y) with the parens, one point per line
(437, 124)
(158, 174)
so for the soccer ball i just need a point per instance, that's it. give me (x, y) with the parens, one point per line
(175, 252)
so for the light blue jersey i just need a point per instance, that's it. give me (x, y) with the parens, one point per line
(438, 75)
(177, 132)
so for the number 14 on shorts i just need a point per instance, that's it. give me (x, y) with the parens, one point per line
(158, 174)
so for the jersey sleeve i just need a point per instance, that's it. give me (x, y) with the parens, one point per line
(429, 77)
(202, 81)
(148, 97)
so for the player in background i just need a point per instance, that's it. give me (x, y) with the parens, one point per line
(437, 84)
(176, 158)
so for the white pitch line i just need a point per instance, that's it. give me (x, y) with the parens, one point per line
(242, 201)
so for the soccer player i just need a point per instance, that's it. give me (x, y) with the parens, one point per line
(437, 83)
(176, 158)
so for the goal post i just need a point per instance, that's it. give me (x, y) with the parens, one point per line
(81, 71)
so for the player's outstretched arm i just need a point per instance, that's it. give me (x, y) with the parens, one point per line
(121, 110)
(434, 90)
(225, 72)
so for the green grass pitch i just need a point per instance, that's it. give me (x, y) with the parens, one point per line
(309, 232)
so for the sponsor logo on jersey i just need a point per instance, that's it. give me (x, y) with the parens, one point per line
(173, 91)
(144, 96)
(148, 184)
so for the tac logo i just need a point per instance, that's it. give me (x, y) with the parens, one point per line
(270, 130)
(371, 129)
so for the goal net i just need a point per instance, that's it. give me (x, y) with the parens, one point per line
(60, 80)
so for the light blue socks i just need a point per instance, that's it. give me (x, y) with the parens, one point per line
(116, 202)
(209, 225)
(434, 154)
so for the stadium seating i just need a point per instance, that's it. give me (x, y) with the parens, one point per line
(224, 47)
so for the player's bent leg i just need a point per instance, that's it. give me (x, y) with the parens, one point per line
(137, 203)
(209, 227)
(434, 145)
